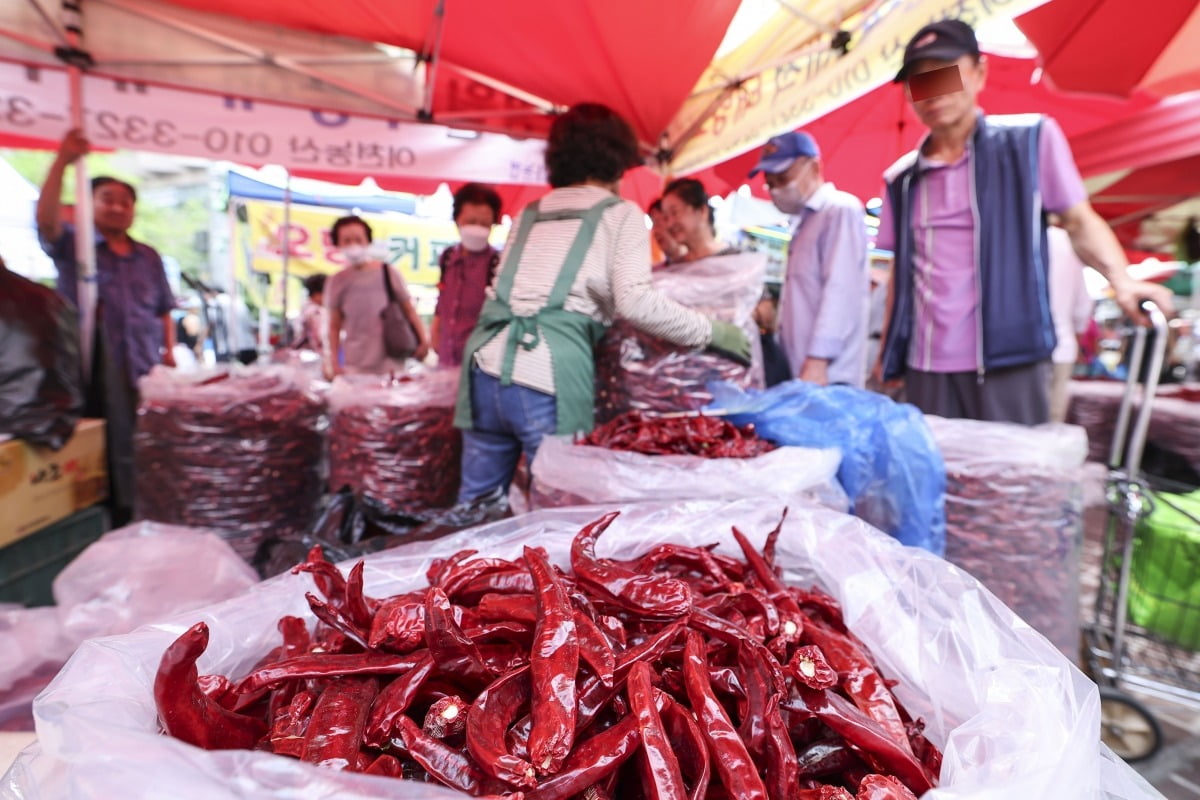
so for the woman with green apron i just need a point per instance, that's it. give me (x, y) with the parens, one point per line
(575, 260)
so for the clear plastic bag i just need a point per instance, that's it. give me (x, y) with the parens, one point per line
(891, 469)
(1012, 715)
(1014, 516)
(394, 440)
(238, 451)
(131, 576)
(635, 371)
(568, 474)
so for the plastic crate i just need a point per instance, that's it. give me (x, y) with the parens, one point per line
(29, 566)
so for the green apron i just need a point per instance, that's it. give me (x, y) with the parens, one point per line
(571, 336)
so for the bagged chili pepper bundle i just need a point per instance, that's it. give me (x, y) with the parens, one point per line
(237, 451)
(1014, 516)
(1012, 716)
(635, 371)
(569, 473)
(1174, 423)
(696, 435)
(394, 440)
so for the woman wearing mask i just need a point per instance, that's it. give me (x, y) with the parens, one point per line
(467, 269)
(355, 298)
(573, 260)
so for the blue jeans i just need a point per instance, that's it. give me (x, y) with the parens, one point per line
(507, 420)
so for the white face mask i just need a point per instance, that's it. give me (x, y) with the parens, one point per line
(474, 237)
(354, 254)
(788, 199)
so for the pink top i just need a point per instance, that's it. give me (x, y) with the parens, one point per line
(946, 295)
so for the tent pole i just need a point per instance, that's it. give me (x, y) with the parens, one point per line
(434, 56)
(85, 245)
(286, 333)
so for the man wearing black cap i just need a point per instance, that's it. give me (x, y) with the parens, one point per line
(823, 303)
(969, 324)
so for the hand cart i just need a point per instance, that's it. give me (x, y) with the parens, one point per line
(1146, 630)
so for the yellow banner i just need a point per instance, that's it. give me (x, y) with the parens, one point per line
(777, 95)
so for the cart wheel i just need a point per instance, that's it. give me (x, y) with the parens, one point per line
(1127, 727)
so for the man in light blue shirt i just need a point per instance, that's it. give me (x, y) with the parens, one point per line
(826, 289)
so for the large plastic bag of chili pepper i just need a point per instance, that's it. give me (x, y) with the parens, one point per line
(1014, 516)
(891, 468)
(1013, 717)
(239, 451)
(570, 474)
(635, 371)
(394, 440)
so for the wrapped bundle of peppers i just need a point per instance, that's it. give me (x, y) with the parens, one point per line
(698, 435)
(239, 453)
(682, 673)
(394, 440)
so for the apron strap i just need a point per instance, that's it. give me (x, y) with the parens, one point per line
(573, 261)
(508, 271)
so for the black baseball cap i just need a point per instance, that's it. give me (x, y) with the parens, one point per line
(946, 40)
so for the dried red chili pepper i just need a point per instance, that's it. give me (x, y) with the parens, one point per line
(697, 436)
(809, 666)
(186, 712)
(448, 765)
(591, 761)
(446, 640)
(386, 765)
(291, 724)
(594, 648)
(446, 717)
(335, 730)
(336, 620)
(554, 663)
(519, 607)
(733, 763)
(399, 624)
(646, 594)
(663, 779)
(358, 607)
(688, 743)
(325, 665)
(493, 712)
(394, 700)
(883, 787)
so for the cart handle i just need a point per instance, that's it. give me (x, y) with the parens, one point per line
(1131, 461)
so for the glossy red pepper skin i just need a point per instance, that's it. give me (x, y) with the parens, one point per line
(386, 765)
(764, 572)
(327, 665)
(782, 765)
(591, 761)
(446, 640)
(660, 766)
(496, 708)
(291, 724)
(327, 577)
(809, 667)
(519, 607)
(554, 663)
(733, 763)
(448, 765)
(189, 714)
(688, 744)
(594, 648)
(883, 787)
(358, 607)
(399, 624)
(394, 700)
(651, 596)
(335, 731)
(336, 620)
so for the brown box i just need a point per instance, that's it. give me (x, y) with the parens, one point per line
(39, 486)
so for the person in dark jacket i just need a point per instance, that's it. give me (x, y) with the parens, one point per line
(969, 325)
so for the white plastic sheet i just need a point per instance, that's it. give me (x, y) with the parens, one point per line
(1014, 718)
(567, 474)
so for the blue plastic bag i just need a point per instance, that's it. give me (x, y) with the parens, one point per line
(891, 467)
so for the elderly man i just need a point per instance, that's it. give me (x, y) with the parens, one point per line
(823, 306)
(970, 328)
(134, 330)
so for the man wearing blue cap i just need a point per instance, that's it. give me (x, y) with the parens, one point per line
(823, 306)
(970, 328)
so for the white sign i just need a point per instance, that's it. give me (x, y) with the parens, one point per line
(137, 116)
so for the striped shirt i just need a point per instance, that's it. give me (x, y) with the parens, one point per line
(613, 282)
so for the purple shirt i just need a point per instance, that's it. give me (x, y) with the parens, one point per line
(132, 296)
(465, 276)
(945, 277)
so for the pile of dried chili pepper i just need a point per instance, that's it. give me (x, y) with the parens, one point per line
(395, 440)
(683, 673)
(638, 372)
(711, 437)
(239, 453)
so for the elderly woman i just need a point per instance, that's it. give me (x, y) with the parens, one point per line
(574, 260)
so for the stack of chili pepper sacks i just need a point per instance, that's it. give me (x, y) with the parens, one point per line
(394, 440)
(635, 371)
(638, 457)
(237, 451)
(1009, 711)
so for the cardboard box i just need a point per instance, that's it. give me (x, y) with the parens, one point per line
(39, 486)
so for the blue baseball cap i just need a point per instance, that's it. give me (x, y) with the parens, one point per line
(781, 151)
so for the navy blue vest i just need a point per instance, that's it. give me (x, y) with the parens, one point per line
(1010, 244)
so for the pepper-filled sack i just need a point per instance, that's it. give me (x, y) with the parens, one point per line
(238, 451)
(394, 440)
(1011, 715)
(590, 472)
(635, 371)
